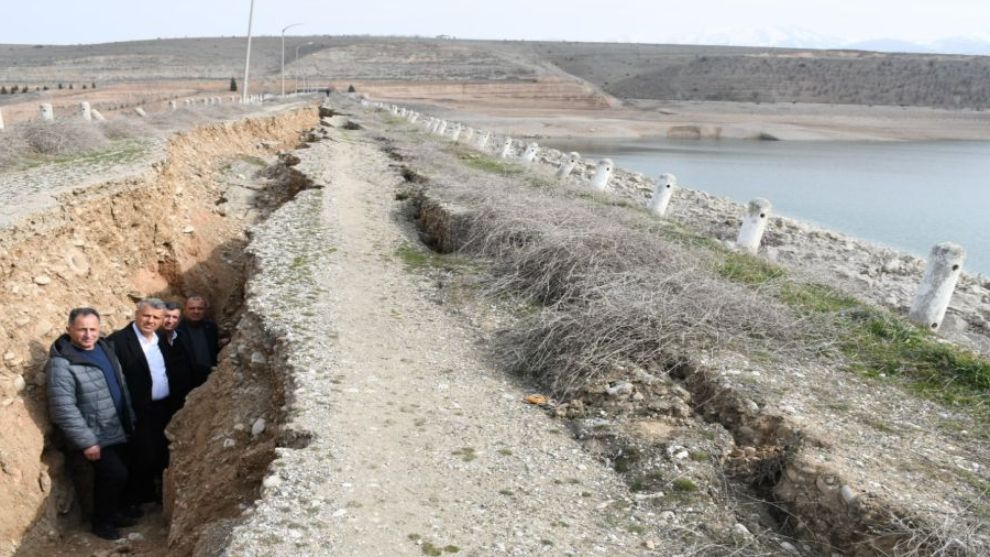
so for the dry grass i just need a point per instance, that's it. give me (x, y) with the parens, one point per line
(61, 137)
(605, 286)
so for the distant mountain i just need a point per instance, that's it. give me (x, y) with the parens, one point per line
(794, 37)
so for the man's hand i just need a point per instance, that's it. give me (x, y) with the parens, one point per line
(92, 453)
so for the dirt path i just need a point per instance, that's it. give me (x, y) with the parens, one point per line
(425, 449)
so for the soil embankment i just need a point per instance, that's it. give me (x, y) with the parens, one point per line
(173, 228)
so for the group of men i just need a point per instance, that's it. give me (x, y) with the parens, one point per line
(112, 397)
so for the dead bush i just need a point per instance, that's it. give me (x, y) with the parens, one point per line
(61, 137)
(126, 127)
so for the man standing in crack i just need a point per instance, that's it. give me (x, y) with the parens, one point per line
(202, 338)
(154, 393)
(176, 349)
(90, 403)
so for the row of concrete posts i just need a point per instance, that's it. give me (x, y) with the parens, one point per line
(88, 113)
(933, 295)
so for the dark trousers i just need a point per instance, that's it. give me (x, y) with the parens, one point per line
(149, 451)
(109, 481)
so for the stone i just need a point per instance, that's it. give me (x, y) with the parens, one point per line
(42, 280)
(740, 531)
(258, 428)
(135, 537)
(19, 383)
(620, 389)
(188, 229)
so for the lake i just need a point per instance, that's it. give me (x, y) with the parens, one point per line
(909, 196)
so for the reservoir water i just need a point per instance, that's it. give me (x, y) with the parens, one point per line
(909, 196)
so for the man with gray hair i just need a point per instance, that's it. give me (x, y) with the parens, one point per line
(138, 348)
(89, 402)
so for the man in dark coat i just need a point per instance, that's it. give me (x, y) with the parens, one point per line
(175, 347)
(91, 405)
(201, 337)
(151, 386)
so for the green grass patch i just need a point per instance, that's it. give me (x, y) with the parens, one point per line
(748, 269)
(816, 298)
(119, 152)
(421, 259)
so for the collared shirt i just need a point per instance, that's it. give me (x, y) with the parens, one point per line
(156, 364)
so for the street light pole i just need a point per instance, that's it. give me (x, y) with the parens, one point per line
(247, 62)
(297, 60)
(284, 29)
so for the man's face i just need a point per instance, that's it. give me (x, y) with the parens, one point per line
(84, 331)
(195, 309)
(148, 319)
(171, 319)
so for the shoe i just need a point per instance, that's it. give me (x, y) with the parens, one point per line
(131, 511)
(106, 531)
(121, 521)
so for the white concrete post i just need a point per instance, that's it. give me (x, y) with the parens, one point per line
(468, 135)
(173, 105)
(414, 117)
(754, 225)
(140, 111)
(47, 112)
(506, 148)
(529, 155)
(441, 127)
(666, 184)
(944, 267)
(85, 111)
(483, 140)
(456, 133)
(98, 116)
(602, 174)
(1, 120)
(567, 165)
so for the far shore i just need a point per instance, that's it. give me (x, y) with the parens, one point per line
(700, 120)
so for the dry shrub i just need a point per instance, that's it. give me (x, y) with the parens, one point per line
(126, 127)
(13, 148)
(611, 287)
(62, 137)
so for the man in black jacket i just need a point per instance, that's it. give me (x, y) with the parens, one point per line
(90, 403)
(176, 349)
(201, 337)
(151, 386)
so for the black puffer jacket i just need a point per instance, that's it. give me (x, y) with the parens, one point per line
(79, 399)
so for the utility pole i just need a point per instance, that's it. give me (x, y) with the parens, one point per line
(247, 62)
(284, 29)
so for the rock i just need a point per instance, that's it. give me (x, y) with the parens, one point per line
(19, 383)
(892, 265)
(9, 356)
(848, 495)
(135, 537)
(740, 531)
(229, 443)
(188, 229)
(42, 280)
(258, 358)
(789, 547)
(258, 428)
(619, 389)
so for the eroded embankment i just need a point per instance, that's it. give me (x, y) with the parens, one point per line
(174, 229)
(761, 445)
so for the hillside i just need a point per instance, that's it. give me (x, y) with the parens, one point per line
(625, 71)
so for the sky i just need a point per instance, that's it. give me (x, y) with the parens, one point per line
(658, 21)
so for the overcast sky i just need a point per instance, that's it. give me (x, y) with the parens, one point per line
(657, 21)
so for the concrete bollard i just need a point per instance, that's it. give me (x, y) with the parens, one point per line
(482, 143)
(567, 165)
(455, 135)
(666, 184)
(1, 120)
(602, 174)
(413, 117)
(937, 285)
(506, 148)
(47, 112)
(85, 111)
(173, 105)
(754, 225)
(468, 135)
(441, 127)
(98, 116)
(140, 112)
(529, 155)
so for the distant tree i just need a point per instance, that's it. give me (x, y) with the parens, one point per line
(36, 88)
(70, 86)
(3, 89)
(351, 89)
(24, 89)
(60, 86)
(84, 85)
(92, 85)
(14, 89)
(233, 84)
(45, 88)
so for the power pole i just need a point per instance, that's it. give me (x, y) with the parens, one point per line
(247, 62)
